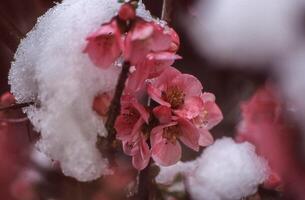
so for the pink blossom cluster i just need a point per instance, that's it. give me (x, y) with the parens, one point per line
(160, 106)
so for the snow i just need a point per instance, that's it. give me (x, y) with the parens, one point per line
(247, 31)
(51, 69)
(41, 159)
(168, 174)
(225, 171)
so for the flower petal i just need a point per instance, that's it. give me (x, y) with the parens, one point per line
(103, 46)
(189, 134)
(137, 79)
(155, 94)
(166, 77)
(190, 85)
(160, 61)
(205, 137)
(163, 114)
(122, 127)
(141, 159)
(137, 44)
(141, 109)
(129, 147)
(175, 40)
(156, 133)
(214, 114)
(166, 153)
(191, 108)
(161, 40)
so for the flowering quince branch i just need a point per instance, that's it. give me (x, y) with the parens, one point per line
(180, 111)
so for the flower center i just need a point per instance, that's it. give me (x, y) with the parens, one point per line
(171, 133)
(174, 96)
(202, 119)
(131, 115)
(106, 40)
(145, 131)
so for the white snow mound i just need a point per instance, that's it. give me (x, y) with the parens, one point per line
(50, 68)
(227, 171)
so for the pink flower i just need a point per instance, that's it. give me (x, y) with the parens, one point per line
(130, 127)
(183, 94)
(103, 45)
(166, 150)
(175, 40)
(133, 115)
(176, 90)
(209, 115)
(144, 38)
(138, 149)
(127, 12)
(151, 67)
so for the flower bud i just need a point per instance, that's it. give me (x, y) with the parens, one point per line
(127, 12)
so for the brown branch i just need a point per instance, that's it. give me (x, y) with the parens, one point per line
(144, 184)
(167, 9)
(16, 106)
(107, 146)
(115, 106)
(14, 120)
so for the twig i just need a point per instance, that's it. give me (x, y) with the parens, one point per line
(167, 9)
(15, 120)
(115, 106)
(144, 184)
(16, 106)
(107, 146)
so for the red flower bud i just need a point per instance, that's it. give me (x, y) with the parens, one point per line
(127, 12)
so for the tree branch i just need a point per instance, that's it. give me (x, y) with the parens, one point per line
(107, 146)
(115, 106)
(16, 106)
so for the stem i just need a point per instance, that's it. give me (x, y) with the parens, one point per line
(144, 184)
(15, 120)
(145, 180)
(107, 146)
(115, 106)
(16, 106)
(167, 9)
